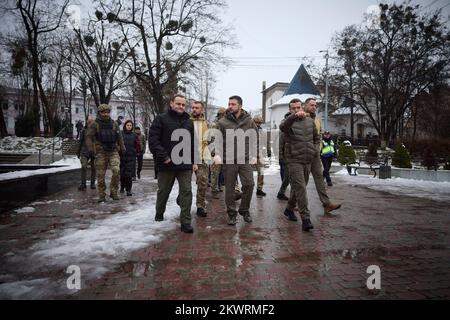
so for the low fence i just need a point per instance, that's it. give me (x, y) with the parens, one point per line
(418, 174)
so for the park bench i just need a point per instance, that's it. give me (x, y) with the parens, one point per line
(372, 163)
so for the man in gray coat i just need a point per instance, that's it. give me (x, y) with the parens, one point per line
(301, 147)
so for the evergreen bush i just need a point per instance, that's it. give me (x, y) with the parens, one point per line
(401, 158)
(346, 154)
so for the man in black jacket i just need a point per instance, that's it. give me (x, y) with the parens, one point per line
(174, 165)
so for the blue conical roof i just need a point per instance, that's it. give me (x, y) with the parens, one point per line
(302, 84)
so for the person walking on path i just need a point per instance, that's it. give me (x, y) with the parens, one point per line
(260, 163)
(201, 132)
(237, 118)
(310, 108)
(168, 169)
(327, 153)
(216, 168)
(104, 141)
(301, 145)
(283, 165)
(140, 155)
(79, 127)
(86, 158)
(128, 158)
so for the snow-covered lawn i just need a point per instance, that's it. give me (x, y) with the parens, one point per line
(28, 145)
(439, 191)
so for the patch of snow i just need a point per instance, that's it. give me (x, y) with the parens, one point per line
(438, 191)
(68, 163)
(21, 289)
(25, 210)
(96, 249)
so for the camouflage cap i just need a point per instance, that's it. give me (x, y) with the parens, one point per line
(221, 110)
(258, 119)
(103, 107)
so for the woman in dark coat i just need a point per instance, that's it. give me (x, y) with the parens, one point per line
(128, 158)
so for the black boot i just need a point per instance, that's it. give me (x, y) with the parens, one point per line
(282, 196)
(93, 187)
(129, 194)
(159, 217)
(290, 214)
(201, 212)
(307, 225)
(260, 193)
(122, 190)
(187, 228)
(82, 187)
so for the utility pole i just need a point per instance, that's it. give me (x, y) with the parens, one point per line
(326, 89)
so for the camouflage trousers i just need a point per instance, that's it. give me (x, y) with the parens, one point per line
(84, 167)
(215, 172)
(259, 167)
(202, 185)
(103, 160)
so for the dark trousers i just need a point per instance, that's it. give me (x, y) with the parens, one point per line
(166, 179)
(283, 167)
(126, 183)
(326, 162)
(140, 160)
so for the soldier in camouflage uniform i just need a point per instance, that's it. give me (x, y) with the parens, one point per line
(104, 140)
(216, 167)
(83, 155)
(260, 163)
(201, 131)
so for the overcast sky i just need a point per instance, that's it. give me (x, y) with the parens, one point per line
(270, 33)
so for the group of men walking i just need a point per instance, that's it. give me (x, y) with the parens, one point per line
(181, 144)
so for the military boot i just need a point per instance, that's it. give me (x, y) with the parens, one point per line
(114, 196)
(307, 225)
(82, 187)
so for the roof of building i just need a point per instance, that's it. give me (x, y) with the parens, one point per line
(301, 83)
(280, 85)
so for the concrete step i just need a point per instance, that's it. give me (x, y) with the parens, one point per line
(12, 158)
(45, 159)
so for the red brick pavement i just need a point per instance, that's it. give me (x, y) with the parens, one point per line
(272, 258)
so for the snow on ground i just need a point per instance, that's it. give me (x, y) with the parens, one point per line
(68, 163)
(27, 144)
(438, 191)
(25, 210)
(95, 250)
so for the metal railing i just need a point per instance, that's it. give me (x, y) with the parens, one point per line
(59, 135)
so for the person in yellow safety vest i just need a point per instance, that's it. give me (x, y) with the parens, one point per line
(327, 153)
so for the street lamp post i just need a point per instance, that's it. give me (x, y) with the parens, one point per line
(326, 89)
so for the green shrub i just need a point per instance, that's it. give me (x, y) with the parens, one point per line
(401, 158)
(346, 154)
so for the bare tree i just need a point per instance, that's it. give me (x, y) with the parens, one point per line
(100, 59)
(393, 62)
(40, 19)
(167, 39)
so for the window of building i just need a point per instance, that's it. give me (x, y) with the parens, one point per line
(5, 105)
(77, 110)
(120, 111)
(343, 132)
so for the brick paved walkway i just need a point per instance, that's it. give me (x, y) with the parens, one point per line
(271, 258)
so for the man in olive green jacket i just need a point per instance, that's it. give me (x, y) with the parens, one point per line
(241, 163)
